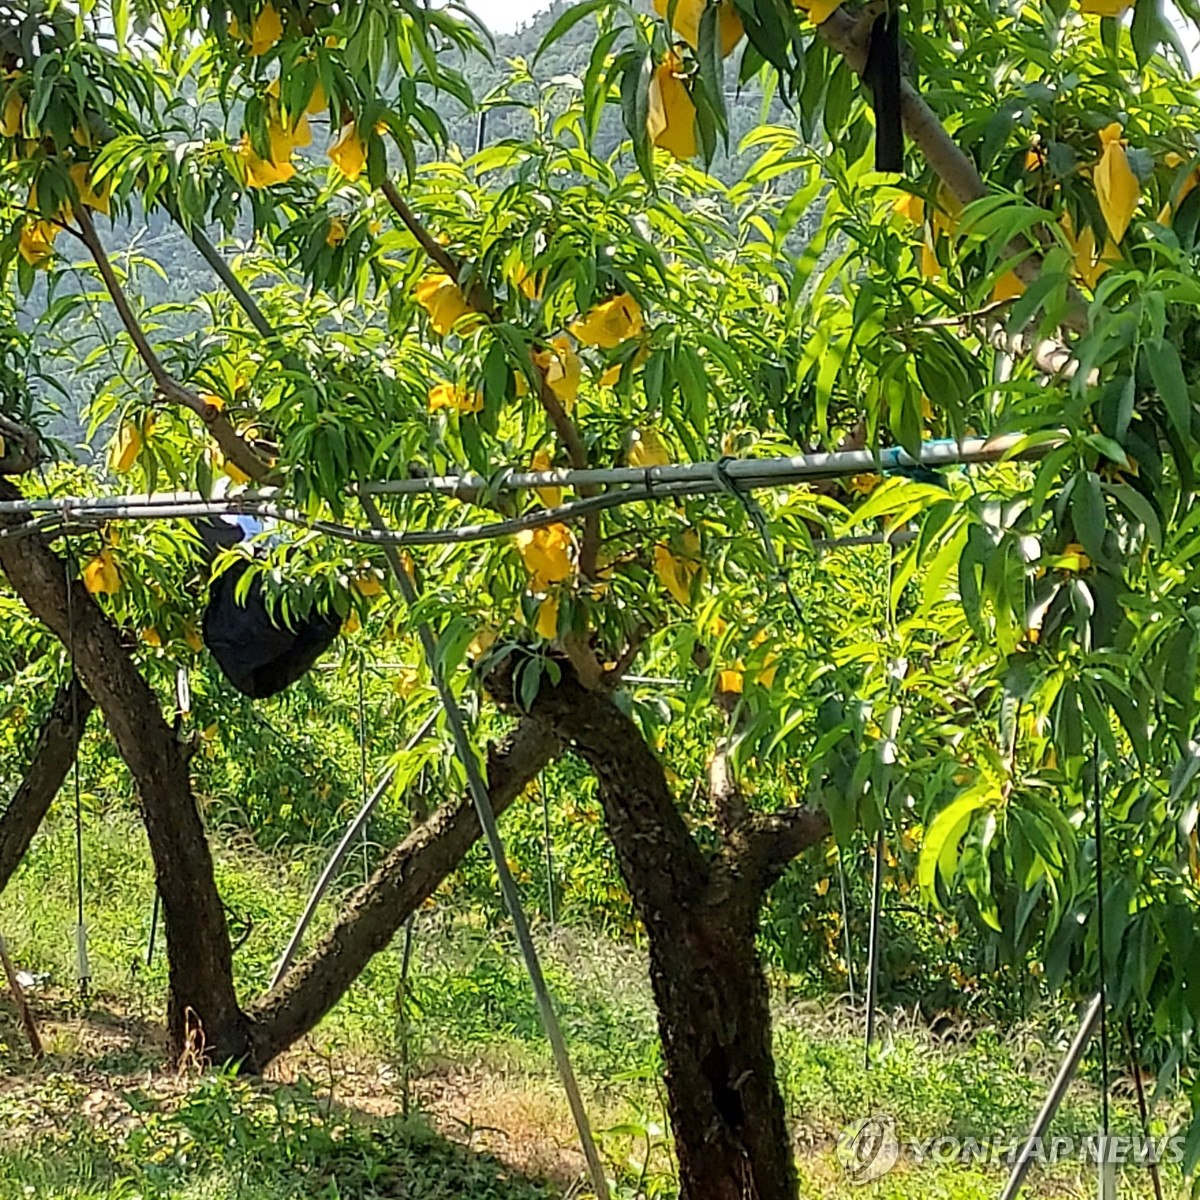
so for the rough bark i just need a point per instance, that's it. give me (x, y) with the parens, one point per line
(53, 756)
(202, 1011)
(404, 880)
(849, 35)
(20, 447)
(701, 917)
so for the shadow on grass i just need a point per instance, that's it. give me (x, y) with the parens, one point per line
(98, 1117)
(227, 1138)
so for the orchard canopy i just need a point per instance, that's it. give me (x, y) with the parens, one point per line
(678, 250)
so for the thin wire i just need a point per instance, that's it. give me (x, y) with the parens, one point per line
(758, 518)
(362, 771)
(99, 513)
(1099, 836)
(508, 888)
(329, 871)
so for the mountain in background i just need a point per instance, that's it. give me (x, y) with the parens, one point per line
(88, 343)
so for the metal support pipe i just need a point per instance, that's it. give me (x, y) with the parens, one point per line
(627, 486)
(491, 831)
(873, 945)
(1058, 1089)
(339, 855)
(644, 483)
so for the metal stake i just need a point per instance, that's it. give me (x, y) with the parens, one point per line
(508, 888)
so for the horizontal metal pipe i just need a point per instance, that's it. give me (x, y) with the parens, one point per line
(745, 472)
(629, 486)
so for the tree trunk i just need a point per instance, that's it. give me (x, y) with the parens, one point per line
(714, 1019)
(403, 881)
(700, 914)
(202, 1010)
(53, 757)
(203, 1014)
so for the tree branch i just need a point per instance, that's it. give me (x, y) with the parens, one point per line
(637, 639)
(25, 451)
(232, 444)
(224, 272)
(659, 859)
(953, 166)
(436, 252)
(200, 959)
(53, 757)
(478, 298)
(758, 853)
(403, 881)
(723, 791)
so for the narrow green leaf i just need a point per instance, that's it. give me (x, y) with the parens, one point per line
(939, 853)
(567, 20)
(1088, 514)
(1167, 372)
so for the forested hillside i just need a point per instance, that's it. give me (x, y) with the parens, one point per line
(167, 273)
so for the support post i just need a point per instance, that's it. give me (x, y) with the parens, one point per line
(508, 887)
(1058, 1089)
(339, 855)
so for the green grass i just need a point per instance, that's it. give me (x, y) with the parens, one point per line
(96, 1119)
(231, 1140)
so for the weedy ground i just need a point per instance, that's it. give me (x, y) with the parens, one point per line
(444, 1088)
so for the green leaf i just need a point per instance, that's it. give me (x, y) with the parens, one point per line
(1087, 513)
(939, 853)
(1167, 372)
(693, 386)
(635, 107)
(712, 68)
(567, 20)
(1146, 30)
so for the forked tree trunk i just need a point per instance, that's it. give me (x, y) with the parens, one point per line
(700, 913)
(203, 1013)
(53, 757)
(714, 1019)
(202, 1009)
(407, 877)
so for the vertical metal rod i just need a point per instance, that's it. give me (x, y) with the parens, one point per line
(846, 926)
(1058, 1089)
(83, 969)
(402, 1018)
(420, 814)
(153, 928)
(339, 854)
(508, 888)
(362, 773)
(549, 843)
(1098, 833)
(1106, 1167)
(873, 943)
(1135, 1067)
